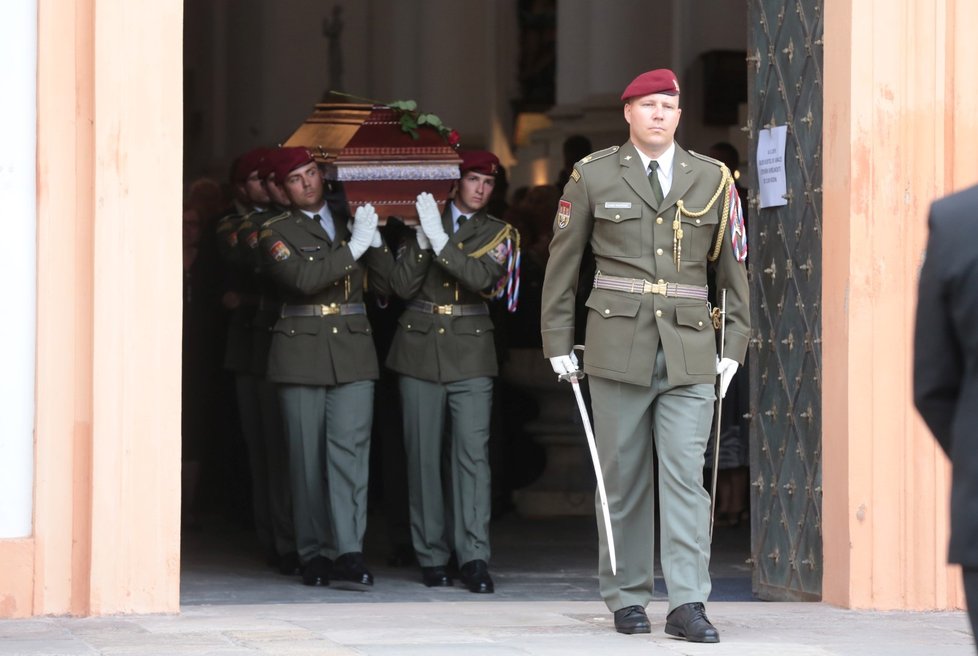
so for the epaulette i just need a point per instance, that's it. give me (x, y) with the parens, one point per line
(707, 159)
(277, 217)
(599, 154)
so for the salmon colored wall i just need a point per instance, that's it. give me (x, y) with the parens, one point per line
(109, 153)
(900, 129)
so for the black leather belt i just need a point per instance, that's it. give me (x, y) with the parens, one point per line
(456, 310)
(323, 310)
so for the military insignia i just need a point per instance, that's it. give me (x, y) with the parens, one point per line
(265, 233)
(563, 214)
(576, 175)
(232, 239)
(627, 158)
(253, 239)
(499, 253)
(279, 251)
(682, 164)
(738, 233)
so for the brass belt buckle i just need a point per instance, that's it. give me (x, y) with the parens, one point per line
(656, 288)
(327, 310)
(443, 309)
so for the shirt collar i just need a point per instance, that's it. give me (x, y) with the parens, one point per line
(323, 212)
(665, 160)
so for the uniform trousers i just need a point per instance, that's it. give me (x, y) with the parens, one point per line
(328, 434)
(469, 403)
(627, 420)
(246, 387)
(277, 466)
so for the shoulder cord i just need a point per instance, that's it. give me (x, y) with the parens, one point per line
(677, 226)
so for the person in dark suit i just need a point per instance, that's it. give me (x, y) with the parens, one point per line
(657, 218)
(945, 368)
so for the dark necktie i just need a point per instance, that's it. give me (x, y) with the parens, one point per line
(654, 181)
(459, 221)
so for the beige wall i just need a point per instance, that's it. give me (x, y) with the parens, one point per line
(900, 128)
(106, 520)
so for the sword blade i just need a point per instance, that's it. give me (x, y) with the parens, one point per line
(602, 495)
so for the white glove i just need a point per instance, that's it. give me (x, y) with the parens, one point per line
(423, 242)
(431, 221)
(364, 230)
(564, 364)
(726, 368)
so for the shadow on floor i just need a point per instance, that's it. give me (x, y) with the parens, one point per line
(551, 559)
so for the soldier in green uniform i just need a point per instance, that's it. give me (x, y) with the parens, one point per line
(270, 468)
(322, 357)
(657, 217)
(241, 298)
(444, 351)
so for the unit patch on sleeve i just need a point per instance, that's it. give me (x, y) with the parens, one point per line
(279, 251)
(563, 214)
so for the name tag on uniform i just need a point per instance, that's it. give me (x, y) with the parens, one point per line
(617, 205)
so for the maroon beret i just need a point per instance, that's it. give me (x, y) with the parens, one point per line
(267, 164)
(245, 164)
(661, 80)
(480, 161)
(289, 159)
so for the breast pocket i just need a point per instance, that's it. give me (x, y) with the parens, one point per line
(617, 231)
(698, 233)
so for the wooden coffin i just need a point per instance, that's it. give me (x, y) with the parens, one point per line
(364, 151)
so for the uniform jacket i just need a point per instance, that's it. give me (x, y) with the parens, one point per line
(444, 348)
(309, 269)
(239, 278)
(946, 357)
(269, 304)
(611, 205)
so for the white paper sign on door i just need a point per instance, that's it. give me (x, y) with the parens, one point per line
(770, 166)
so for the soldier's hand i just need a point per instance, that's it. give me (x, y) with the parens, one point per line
(431, 221)
(365, 232)
(726, 368)
(564, 364)
(423, 242)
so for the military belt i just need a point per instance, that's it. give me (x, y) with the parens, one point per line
(642, 286)
(323, 310)
(456, 310)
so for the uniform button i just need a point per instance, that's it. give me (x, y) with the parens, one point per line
(441, 331)
(336, 284)
(446, 284)
(409, 326)
(659, 220)
(335, 330)
(658, 313)
(699, 323)
(617, 216)
(460, 245)
(658, 251)
(332, 305)
(661, 281)
(292, 332)
(697, 221)
(607, 311)
(310, 259)
(478, 331)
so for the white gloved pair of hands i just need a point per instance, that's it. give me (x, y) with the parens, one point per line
(726, 368)
(364, 232)
(431, 233)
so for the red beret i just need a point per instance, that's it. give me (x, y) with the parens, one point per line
(661, 80)
(245, 164)
(267, 164)
(286, 160)
(480, 161)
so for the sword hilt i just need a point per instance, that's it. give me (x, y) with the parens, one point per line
(570, 376)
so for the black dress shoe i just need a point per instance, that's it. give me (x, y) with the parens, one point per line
(632, 619)
(351, 573)
(289, 564)
(316, 571)
(475, 576)
(689, 621)
(435, 577)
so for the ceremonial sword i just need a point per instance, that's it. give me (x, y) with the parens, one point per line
(716, 439)
(573, 378)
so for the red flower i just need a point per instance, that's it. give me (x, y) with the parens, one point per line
(453, 138)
